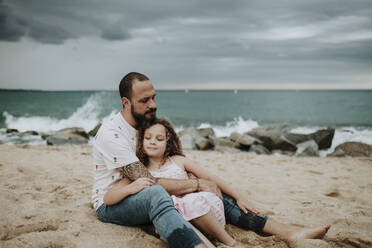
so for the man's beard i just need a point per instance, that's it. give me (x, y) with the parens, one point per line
(141, 119)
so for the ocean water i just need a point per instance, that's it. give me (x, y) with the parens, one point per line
(225, 111)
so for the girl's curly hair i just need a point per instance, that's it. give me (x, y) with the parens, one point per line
(173, 147)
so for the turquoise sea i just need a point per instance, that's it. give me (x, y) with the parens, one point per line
(224, 110)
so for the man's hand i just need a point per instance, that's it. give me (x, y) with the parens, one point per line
(246, 206)
(140, 184)
(210, 186)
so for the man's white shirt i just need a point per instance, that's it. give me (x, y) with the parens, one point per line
(114, 146)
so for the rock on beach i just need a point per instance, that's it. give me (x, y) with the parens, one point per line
(353, 149)
(76, 136)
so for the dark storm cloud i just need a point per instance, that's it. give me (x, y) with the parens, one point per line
(55, 21)
(48, 33)
(114, 32)
(18, 22)
(209, 40)
(10, 28)
(74, 19)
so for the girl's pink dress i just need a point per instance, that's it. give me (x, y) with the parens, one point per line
(191, 205)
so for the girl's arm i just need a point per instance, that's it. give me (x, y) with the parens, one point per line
(124, 188)
(197, 170)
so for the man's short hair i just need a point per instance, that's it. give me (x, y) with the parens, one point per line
(126, 84)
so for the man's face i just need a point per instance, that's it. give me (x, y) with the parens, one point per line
(143, 101)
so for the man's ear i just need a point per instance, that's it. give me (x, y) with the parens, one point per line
(125, 101)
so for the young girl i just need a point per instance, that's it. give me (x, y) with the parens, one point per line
(159, 148)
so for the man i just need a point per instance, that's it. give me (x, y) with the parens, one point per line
(114, 156)
(114, 153)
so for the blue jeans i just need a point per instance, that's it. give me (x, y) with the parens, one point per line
(235, 216)
(152, 204)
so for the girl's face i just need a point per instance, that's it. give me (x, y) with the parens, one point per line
(155, 141)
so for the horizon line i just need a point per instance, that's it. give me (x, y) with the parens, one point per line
(195, 89)
(188, 90)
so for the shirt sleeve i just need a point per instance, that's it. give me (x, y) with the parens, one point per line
(115, 150)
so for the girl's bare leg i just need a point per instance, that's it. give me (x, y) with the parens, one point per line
(290, 232)
(202, 237)
(209, 224)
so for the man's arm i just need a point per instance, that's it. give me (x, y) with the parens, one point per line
(136, 170)
(124, 188)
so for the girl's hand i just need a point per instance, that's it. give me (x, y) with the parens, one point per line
(246, 206)
(190, 175)
(210, 186)
(140, 184)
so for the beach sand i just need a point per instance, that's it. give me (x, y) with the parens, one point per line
(45, 198)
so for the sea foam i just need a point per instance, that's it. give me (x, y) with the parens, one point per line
(86, 117)
(238, 125)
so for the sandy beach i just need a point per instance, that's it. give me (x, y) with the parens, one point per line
(45, 198)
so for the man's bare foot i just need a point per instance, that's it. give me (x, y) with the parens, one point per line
(309, 233)
(201, 246)
(232, 244)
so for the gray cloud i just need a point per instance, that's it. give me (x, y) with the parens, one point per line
(48, 33)
(205, 41)
(10, 28)
(252, 19)
(115, 32)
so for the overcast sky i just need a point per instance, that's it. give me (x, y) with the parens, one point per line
(92, 44)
